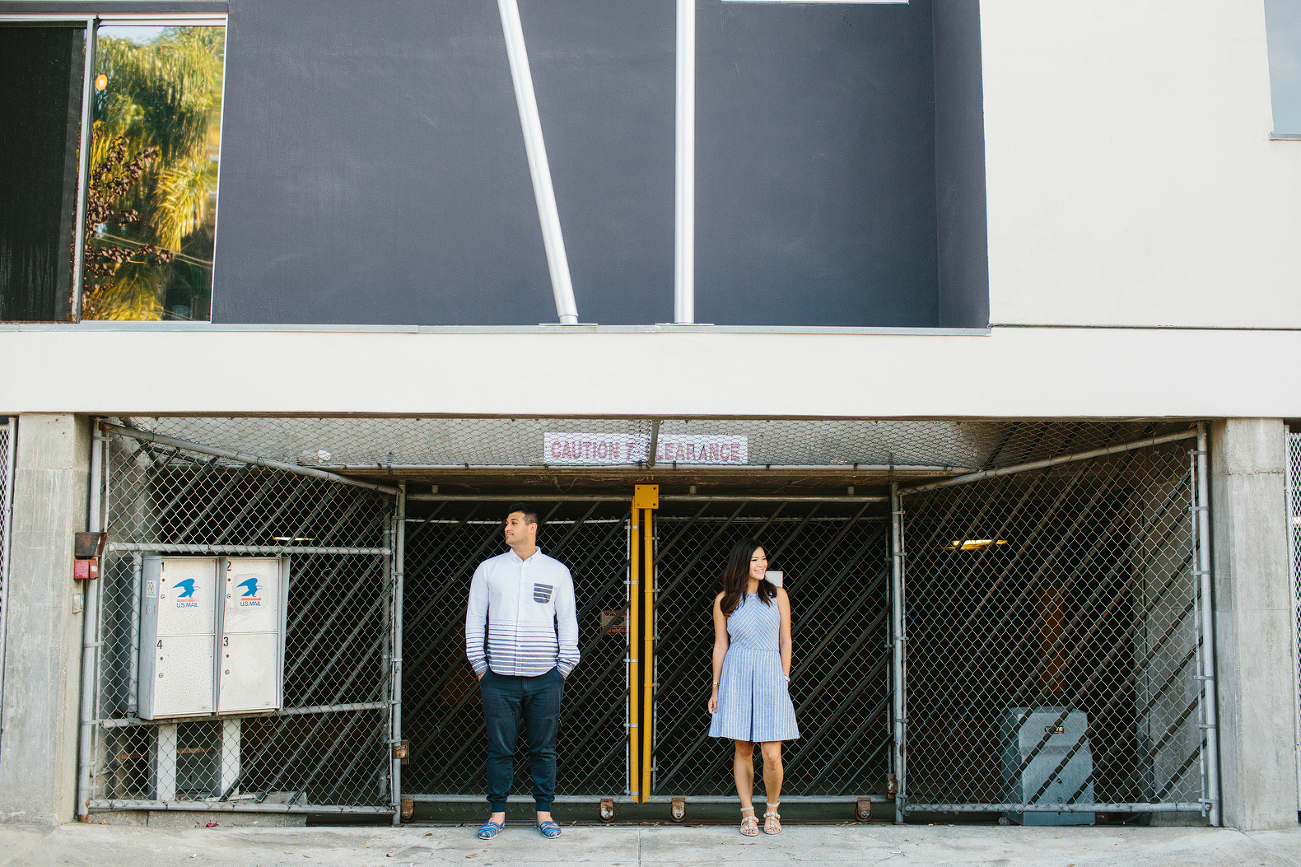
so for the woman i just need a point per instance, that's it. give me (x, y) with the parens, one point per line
(750, 701)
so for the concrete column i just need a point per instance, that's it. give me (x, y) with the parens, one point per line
(1253, 609)
(38, 748)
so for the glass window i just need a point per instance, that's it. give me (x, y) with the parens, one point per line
(152, 201)
(40, 118)
(1283, 27)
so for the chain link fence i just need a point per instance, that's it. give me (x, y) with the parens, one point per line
(326, 746)
(835, 565)
(383, 446)
(1054, 640)
(1053, 620)
(442, 713)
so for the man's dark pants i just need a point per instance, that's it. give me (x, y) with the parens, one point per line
(536, 700)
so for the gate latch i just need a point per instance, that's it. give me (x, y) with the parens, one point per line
(402, 750)
(863, 809)
(607, 809)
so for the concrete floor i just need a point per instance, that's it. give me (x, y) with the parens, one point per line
(380, 846)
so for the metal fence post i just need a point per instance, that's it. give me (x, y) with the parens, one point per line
(399, 553)
(6, 515)
(1292, 452)
(1212, 733)
(90, 637)
(897, 643)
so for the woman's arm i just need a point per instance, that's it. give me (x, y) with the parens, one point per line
(720, 649)
(784, 638)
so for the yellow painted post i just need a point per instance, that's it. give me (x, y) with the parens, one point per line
(634, 674)
(646, 500)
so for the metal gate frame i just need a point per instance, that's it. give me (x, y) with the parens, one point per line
(93, 727)
(1199, 518)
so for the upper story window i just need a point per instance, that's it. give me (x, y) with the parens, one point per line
(1283, 28)
(120, 225)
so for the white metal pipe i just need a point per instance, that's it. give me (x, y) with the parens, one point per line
(684, 212)
(90, 641)
(132, 722)
(228, 807)
(897, 648)
(6, 534)
(169, 548)
(670, 466)
(1053, 462)
(1208, 624)
(148, 437)
(1138, 807)
(539, 168)
(399, 555)
(83, 172)
(1291, 498)
(598, 498)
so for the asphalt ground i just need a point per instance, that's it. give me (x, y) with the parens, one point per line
(713, 845)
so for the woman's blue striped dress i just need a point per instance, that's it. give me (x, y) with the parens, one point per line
(753, 701)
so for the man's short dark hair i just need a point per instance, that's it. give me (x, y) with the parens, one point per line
(530, 512)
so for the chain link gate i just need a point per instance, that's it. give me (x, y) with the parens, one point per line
(327, 748)
(1057, 658)
(443, 717)
(835, 565)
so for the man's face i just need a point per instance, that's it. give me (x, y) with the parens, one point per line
(519, 531)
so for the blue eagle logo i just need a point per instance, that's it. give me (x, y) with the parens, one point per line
(251, 584)
(188, 586)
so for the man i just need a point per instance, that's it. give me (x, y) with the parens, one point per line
(526, 601)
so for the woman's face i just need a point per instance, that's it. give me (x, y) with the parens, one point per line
(758, 564)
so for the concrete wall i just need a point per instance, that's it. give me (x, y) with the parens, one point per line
(38, 755)
(1130, 173)
(1253, 610)
(1025, 372)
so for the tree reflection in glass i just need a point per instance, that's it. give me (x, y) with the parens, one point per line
(151, 202)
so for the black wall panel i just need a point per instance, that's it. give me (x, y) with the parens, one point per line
(815, 184)
(373, 167)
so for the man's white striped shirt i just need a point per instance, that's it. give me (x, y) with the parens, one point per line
(528, 609)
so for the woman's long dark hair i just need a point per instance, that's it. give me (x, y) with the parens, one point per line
(736, 577)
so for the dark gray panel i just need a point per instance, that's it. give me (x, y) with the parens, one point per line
(40, 123)
(373, 168)
(960, 166)
(604, 72)
(815, 188)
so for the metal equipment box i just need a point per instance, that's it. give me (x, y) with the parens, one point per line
(178, 628)
(1062, 766)
(199, 657)
(251, 666)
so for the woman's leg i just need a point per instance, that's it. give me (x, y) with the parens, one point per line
(772, 782)
(743, 771)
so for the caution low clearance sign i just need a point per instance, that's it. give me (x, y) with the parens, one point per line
(593, 449)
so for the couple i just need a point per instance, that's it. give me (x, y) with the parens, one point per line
(525, 602)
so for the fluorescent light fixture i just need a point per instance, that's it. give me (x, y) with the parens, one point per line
(971, 544)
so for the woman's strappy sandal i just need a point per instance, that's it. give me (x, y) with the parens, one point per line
(749, 824)
(772, 820)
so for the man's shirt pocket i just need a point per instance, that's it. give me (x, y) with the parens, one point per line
(542, 593)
